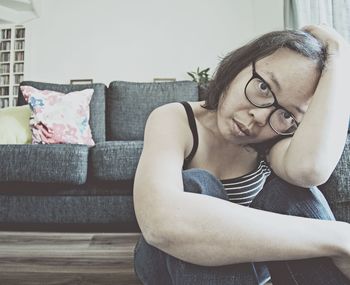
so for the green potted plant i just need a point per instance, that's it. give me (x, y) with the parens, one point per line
(202, 78)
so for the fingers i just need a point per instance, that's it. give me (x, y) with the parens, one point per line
(324, 32)
(328, 36)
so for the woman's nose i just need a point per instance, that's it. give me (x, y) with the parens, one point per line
(261, 115)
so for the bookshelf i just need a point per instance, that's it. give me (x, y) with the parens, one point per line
(12, 47)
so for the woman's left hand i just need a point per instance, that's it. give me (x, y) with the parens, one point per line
(334, 42)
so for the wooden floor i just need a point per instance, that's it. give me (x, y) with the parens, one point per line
(67, 258)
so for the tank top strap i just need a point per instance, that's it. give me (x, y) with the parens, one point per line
(193, 127)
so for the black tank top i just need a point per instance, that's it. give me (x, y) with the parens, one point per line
(240, 190)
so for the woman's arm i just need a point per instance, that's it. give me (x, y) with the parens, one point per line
(209, 231)
(193, 232)
(311, 155)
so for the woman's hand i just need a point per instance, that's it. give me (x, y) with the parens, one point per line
(343, 260)
(333, 41)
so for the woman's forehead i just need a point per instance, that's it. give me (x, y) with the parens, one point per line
(288, 61)
(287, 69)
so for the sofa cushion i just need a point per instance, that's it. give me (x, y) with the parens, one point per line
(133, 102)
(58, 117)
(337, 188)
(68, 213)
(14, 125)
(115, 160)
(56, 207)
(44, 163)
(97, 103)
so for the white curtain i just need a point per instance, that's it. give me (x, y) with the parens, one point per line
(336, 13)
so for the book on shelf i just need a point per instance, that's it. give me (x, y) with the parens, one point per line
(15, 90)
(4, 102)
(4, 79)
(20, 33)
(5, 46)
(4, 68)
(4, 91)
(19, 45)
(6, 34)
(5, 57)
(18, 67)
(18, 78)
(19, 56)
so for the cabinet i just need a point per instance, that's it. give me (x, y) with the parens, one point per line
(12, 47)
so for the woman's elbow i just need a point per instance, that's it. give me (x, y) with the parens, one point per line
(154, 237)
(314, 176)
(152, 227)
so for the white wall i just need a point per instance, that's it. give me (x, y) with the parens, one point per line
(138, 40)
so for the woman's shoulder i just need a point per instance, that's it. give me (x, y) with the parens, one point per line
(176, 108)
(170, 119)
(175, 113)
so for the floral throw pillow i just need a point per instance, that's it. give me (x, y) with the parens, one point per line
(59, 118)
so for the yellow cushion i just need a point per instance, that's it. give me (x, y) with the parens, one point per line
(14, 125)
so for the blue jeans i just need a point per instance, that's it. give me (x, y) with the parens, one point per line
(155, 267)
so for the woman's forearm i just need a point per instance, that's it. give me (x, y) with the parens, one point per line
(194, 232)
(320, 138)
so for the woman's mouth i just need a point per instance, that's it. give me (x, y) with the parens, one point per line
(240, 129)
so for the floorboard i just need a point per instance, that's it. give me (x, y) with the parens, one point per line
(67, 258)
(31, 258)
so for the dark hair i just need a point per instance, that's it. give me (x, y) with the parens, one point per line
(300, 42)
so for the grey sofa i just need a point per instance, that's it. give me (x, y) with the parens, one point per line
(80, 188)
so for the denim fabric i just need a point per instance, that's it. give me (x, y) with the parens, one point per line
(97, 103)
(115, 160)
(154, 266)
(132, 102)
(59, 163)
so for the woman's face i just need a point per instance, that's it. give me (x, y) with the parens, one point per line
(291, 77)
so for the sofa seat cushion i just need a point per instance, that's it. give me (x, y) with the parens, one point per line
(132, 102)
(95, 205)
(115, 160)
(44, 163)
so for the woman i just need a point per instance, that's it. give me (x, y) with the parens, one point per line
(271, 108)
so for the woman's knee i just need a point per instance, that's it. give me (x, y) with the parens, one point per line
(149, 264)
(155, 267)
(185, 273)
(282, 197)
(203, 182)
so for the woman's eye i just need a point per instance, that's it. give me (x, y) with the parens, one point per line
(286, 115)
(263, 87)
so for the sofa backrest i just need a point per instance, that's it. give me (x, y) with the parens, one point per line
(129, 104)
(97, 104)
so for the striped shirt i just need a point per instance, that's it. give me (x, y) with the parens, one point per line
(241, 190)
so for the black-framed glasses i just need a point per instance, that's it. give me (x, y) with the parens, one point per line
(258, 92)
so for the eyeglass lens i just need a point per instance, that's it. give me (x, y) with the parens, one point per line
(260, 95)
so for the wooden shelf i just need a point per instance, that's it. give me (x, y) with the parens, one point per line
(13, 45)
